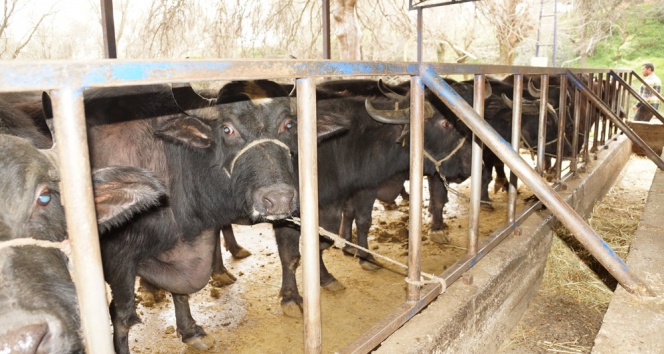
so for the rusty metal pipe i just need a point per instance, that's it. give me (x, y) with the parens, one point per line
(476, 171)
(307, 160)
(561, 128)
(617, 121)
(541, 130)
(581, 230)
(72, 147)
(575, 138)
(516, 140)
(416, 176)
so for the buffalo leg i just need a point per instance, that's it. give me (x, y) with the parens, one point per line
(122, 310)
(486, 179)
(288, 244)
(231, 244)
(363, 204)
(437, 200)
(329, 219)
(501, 178)
(346, 227)
(192, 334)
(220, 275)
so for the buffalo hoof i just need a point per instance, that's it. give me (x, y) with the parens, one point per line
(292, 309)
(220, 280)
(370, 265)
(334, 286)
(349, 251)
(487, 207)
(439, 236)
(241, 253)
(200, 343)
(500, 183)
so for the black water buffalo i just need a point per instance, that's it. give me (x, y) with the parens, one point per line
(361, 160)
(38, 307)
(225, 159)
(16, 122)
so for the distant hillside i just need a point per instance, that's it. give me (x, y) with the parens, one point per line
(640, 39)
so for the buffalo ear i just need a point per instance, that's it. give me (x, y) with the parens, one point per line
(186, 130)
(122, 192)
(329, 124)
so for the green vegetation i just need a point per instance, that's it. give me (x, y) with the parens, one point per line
(636, 39)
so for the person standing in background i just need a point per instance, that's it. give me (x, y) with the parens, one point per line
(643, 114)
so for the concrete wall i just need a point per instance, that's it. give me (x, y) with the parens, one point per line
(477, 318)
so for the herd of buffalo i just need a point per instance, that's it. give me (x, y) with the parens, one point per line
(172, 169)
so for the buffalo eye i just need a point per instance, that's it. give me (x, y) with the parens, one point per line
(446, 124)
(228, 130)
(287, 125)
(44, 198)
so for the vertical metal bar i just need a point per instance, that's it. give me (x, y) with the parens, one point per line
(607, 100)
(108, 25)
(575, 137)
(623, 100)
(586, 122)
(555, 31)
(416, 176)
(541, 130)
(419, 35)
(307, 160)
(562, 137)
(72, 146)
(516, 138)
(629, 97)
(326, 29)
(598, 91)
(561, 210)
(476, 170)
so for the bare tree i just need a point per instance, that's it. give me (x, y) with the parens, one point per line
(12, 47)
(347, 29)
(511, 21)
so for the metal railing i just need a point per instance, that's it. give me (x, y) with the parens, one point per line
(66, 80)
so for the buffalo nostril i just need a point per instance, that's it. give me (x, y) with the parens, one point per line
(26, 339)
(278, 201)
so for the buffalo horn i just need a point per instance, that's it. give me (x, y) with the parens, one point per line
(388, 91)
(397, 116)
(532, 90)
(527, 107)
(188, 99)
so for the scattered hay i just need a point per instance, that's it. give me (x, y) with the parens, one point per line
(576, 289)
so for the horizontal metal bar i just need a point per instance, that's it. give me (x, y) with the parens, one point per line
(47, 75)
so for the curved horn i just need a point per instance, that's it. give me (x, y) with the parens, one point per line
(187, 99)
(532, 90)
(397, 116)
(400, 116)
(488, 91)
(388, 91)
(507, 101)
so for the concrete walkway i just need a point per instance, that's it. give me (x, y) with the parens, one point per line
(633, 324)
